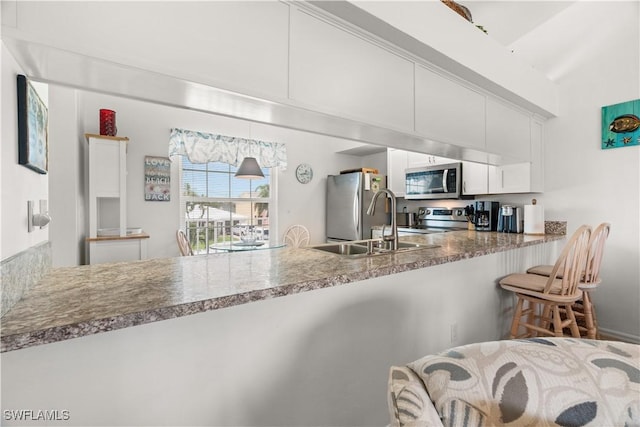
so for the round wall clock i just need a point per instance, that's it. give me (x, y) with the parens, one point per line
(304, 173)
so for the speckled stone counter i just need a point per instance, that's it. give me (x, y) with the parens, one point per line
(78, 301)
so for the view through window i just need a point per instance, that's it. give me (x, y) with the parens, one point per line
(221, 211)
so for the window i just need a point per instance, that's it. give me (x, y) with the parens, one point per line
(219, 209)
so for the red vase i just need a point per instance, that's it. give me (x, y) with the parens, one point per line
(108, 122)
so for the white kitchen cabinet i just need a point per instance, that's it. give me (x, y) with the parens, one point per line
(339, 72)
(508, 131)
(108, 203)
(525, 177)
(396, 166)
(417, 160)
(514, 178)
(475, 178)
(448, 111)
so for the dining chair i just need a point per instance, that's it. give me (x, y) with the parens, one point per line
(547, 296)
(589, 280)
(296, 236)
(183, 244)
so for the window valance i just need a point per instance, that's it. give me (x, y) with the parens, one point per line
(202, 147)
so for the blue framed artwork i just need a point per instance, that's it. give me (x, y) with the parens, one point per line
(33, 138)
(621, 125)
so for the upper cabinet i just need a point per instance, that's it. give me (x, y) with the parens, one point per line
(475, 179)
(418, 160)
(508, 131)
(447, 111)
(339, 72)
(396, 166)
(525, 177)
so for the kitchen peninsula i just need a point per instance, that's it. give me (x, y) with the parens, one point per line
(204, 340)
(78, 301)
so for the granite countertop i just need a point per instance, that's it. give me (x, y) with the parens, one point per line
(73, 302)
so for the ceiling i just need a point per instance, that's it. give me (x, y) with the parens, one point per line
(508, 21)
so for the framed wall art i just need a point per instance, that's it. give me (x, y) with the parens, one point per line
(157, 179)
(621, 125)
(33, 133)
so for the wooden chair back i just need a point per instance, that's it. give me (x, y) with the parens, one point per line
(594, 256)
(570, 263)
(296, 236)
(183, 244)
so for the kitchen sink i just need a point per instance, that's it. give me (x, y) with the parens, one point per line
(402, 246)
(369, 247)
(342, 248)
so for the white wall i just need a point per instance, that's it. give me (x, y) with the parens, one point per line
(19, 184)
(147, 125)
(590, 185)
(66, 172)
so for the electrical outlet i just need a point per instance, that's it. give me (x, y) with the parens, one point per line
(454, 333)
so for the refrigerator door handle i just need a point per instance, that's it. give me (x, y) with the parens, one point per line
(356, 209)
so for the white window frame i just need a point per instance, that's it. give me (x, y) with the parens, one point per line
(274, 235)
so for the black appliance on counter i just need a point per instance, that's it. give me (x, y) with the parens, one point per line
(510, 219)
(486, 216)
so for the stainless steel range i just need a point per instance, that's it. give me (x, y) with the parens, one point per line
(436, 220)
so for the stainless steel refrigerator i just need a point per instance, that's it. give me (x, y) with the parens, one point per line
(348, 198)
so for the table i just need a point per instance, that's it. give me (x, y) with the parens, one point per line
(242, 246)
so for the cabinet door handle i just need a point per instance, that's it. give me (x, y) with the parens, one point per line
(464, 186)
(502, 178)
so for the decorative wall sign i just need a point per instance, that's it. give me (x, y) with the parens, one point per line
(33, 134)
(157, 179)
(621, 124)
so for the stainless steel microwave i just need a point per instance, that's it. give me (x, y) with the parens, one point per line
(434, 182)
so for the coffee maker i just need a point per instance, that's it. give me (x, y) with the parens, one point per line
(510, 219)
(486, 216)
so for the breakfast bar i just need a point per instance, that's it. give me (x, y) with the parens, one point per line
(77, 301)
(206, 340)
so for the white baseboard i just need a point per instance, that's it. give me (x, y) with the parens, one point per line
(619, 336)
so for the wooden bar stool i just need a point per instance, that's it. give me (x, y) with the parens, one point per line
(547, 296)
(589, 280)
(183, 244)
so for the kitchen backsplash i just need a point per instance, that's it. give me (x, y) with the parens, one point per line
(21, 271)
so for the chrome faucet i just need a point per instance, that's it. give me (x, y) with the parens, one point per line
(393, 238)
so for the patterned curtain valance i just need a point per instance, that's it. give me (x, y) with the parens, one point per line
(202, 147)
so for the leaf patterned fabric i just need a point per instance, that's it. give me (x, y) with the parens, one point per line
(533, 382)
(201, 147)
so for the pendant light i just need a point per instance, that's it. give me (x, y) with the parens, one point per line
(249, 169)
